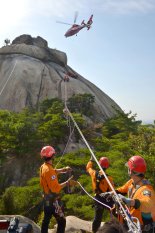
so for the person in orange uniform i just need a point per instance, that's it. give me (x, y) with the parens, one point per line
(99, 185)
(141, 195)
(51, 189)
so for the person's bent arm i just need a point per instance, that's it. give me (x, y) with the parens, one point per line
(69, 182)
(63, 170)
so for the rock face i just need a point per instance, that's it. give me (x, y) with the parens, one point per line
(22, 219)
(73, 224)
(31, 72)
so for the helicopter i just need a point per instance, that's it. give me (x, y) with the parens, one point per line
(75, 28)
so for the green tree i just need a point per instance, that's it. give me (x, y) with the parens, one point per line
(55, 104)
(121, 125)
(81, 103)
(20, 200)
(53, 128)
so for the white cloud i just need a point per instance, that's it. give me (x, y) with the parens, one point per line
(61, 8)
(128, 6)
(51, 8)
(16, 13)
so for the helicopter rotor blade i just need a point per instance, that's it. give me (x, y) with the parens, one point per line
(75, 16)
(63, 23)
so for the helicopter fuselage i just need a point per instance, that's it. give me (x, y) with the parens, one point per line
(74, 30)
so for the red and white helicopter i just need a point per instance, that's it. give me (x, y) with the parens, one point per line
(76, 27)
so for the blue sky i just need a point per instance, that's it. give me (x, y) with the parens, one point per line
(117, 54)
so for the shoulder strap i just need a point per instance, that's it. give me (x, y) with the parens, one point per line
(99, 177)
(140, 188)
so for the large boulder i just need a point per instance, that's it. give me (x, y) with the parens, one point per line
(22, 220)
(31, 72)
(73, 224)
(76, 225)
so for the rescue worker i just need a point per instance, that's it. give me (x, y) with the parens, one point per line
(51, 189)
(99, 185)
(141, 195)
(66, 78)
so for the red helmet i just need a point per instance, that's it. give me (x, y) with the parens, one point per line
(47, 151)
(104, 162)
(137, 164)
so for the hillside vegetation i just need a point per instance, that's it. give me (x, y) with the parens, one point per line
(23, 134)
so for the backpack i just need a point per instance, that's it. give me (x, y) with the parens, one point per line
(13, 225)
(99, 177)
(16, 227)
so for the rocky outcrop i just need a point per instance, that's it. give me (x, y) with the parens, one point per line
(73, 224)
(27, 39)
(22, 219)
(31, 72)
(35, 48)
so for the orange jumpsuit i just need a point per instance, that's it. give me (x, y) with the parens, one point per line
(52, 203)
(145, 193)
(48, 179)
(103, 185)
(99, 185)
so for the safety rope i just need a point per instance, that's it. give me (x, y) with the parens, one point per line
(92, 196)
(65, 94)
(69, 138)
(70, 128)
(133, 227)
(8, 79)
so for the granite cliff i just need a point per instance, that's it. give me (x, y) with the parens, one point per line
(30, 71)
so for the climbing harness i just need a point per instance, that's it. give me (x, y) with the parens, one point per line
(134, 227)
(99, 177)
(58, 208)
(9, 77)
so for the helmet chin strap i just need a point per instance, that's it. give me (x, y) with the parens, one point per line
(129, 172)
(138, 178)
(135, 173)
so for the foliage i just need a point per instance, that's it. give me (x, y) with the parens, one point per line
(55, 105)
(118, 138)
(144, 143)
(79, 205)
(81, 103)
(21, 200)
(122, 124)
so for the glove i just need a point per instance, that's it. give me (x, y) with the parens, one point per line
(125, 199)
